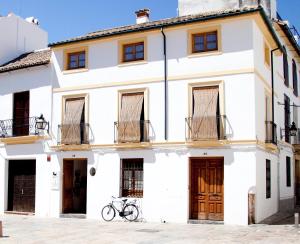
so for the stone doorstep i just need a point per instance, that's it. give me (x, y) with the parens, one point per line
(212, 222)
(73, 216)
(19, 213)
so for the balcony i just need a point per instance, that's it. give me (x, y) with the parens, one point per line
(271, 132)
(74, 134)
(26, 126)
(205, 129)
(132, 131)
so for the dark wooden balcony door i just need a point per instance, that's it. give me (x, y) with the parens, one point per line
(297, 182)
(206, 189)
(21, 114)
(21, 186)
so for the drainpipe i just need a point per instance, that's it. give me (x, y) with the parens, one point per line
(273, 139)
(272, 78)
(165, 83)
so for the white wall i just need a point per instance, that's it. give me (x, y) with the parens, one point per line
(19, 36)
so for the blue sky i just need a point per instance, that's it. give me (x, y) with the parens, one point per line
(69, 18)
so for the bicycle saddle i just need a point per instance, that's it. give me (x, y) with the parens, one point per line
(124, 200)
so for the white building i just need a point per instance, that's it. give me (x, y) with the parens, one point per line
(176, 112)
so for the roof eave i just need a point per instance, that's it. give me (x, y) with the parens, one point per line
(23, 67)
(159, 26)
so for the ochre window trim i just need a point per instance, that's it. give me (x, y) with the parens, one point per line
(267, 55)
(128, 42)
(134, 52)
(77, 50)
(205, 42)
(204, 31)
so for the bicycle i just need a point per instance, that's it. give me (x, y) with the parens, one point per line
(128, 210)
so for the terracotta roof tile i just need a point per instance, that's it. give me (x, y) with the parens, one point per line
(157, 24)
(27, 60)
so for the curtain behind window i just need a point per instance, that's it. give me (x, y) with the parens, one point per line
(71, 128)
(129, 128)
(204, 121)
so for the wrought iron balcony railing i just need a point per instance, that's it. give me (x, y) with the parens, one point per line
(18, 127)
(74, 134)
(131, 131)
(204, 129)
(271, 132)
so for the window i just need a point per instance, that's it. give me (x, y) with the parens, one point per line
(287, 120)
(205, 121)
(74, 130)
(133, 52)
(132, 126)
(76, 60)
(132, 179)
(288, 171)
(267, 55)
(204, 42)
(295, 78)
(285, 67)
(268, 178)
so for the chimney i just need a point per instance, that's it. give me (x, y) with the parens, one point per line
(32, 20)
(142, 16)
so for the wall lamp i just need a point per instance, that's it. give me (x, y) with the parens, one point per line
(41, 123)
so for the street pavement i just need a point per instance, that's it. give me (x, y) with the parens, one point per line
(30, 229)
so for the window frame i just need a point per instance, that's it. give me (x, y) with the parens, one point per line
(204, 35)
(68, 53)
(135, 192)
(199, 31)
(268, 179)
(267, 55)
(295, 78)
(288, 172)
(127, 42)
(285, 67)
(134, 46)
(77, 55)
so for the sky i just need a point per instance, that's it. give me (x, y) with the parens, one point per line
(63, 19)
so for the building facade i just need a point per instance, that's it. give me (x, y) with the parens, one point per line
(182, 114)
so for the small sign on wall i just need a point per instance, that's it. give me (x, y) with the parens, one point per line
(55, 181)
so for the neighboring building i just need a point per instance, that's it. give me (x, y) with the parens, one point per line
(180, 113)
(25, 94)
(19, 36)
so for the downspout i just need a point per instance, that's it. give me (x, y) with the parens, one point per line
(165, 83)
(272, 85)
(273, 135)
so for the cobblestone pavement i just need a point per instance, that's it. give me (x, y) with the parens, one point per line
(29, 229)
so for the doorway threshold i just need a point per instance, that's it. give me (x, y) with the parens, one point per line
(18, 213)
(73, 216)
(208, 222)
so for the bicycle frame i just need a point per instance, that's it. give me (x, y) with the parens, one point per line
(124, 204)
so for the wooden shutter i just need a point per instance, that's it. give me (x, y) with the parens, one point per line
(70, 130)
(204, 121)
(130, 117)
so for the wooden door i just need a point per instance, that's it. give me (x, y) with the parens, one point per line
(21, 114)
(206, 189)
(68, 179)
(21, 186)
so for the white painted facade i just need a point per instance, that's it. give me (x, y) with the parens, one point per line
(18, 36)
(245, 79)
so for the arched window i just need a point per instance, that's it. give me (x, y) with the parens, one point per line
(285, 67)
(295, 79)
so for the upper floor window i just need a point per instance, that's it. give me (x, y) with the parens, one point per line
(267, 55)
(287, 119)
(133, 52)
(76, 60)
(204, 42)
(285, 67)
(295, 78)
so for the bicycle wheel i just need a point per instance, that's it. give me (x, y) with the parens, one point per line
(108, 213)
(131, 212)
